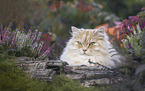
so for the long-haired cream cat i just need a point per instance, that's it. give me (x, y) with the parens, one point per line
(89, 44)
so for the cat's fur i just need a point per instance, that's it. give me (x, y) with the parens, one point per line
(89, 44)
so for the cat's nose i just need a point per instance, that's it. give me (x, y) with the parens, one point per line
(84, 50)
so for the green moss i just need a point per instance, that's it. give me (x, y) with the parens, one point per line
(61, 83)
(13, 78)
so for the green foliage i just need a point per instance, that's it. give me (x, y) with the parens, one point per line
(14, 79)
(10, 77)
(61, 83)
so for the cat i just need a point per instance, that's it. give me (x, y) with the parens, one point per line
(90, 44)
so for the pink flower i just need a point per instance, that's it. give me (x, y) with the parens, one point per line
(124, 24)
(143, 8)
(142, 24)
(134, 18)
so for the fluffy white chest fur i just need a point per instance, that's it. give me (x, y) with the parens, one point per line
(89, 44)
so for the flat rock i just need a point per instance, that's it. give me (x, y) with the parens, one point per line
(56, 63)
(45, 70)
(75, 76)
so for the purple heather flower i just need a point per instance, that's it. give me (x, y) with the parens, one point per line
(33, 37)
(44, 48)
(143, 8)
(45, 52)
(142, 24)
(39, 48)
(28, 37)
(36, 30)
(34, 46)
(38, 37)
(125, 21)
(124, 25)
(7, 40)
(48, 39)
(38, 40)
(134, 18)
(130, 29)
(131, 24)
(4, 34)
(13, 41)
(8, 28)
(50, 50)
(130, 17)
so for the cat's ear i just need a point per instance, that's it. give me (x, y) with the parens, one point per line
(100, 32)
(74, 29)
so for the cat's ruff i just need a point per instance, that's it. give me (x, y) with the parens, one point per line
(89, 44)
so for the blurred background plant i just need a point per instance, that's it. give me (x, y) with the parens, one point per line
(123, 8)
(58, 16)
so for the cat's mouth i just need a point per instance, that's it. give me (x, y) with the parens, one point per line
(85, 54)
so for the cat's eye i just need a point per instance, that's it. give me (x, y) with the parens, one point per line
(92, 43)
(79, 42)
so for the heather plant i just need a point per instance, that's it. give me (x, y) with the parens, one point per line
(25, 44)
(133, 29)
(133, 71)
(133, 42)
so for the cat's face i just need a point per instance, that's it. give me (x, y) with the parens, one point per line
(87, 41)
